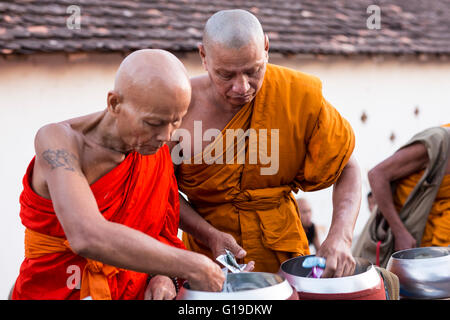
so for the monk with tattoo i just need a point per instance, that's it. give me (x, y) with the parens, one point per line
(100, 201)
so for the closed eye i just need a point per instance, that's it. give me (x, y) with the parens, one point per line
(153, 124)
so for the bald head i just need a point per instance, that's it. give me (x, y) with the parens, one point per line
(152, 92)
(233, 29)
(151, 70)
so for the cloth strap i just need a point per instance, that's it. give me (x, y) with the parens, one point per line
(94, 281)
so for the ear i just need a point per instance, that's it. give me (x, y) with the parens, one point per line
(266, 45)
(114, 99)
(201, 51)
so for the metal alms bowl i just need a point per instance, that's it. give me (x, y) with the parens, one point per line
(244, 286)
(364, 277)
(424, 273)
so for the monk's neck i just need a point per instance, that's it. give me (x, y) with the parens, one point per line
(221, 104)
(103, 132)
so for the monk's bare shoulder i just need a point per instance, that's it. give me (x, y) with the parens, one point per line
(57, 136)
(200, 87)
(57, 147)
(196, 110)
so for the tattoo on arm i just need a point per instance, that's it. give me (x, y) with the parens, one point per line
(60, 159)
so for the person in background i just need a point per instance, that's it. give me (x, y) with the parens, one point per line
(309, 226)
(413, 169)
(371, 202)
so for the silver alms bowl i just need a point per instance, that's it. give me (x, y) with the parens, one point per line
(364, 277)
(244, 286)
(424, 273)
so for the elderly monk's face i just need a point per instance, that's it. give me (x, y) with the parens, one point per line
(148, 118)
(236, 74)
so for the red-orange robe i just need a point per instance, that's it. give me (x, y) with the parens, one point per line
(141, 193)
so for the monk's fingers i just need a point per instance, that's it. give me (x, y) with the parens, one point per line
(148, 294)
(349, 269)
(232, 245)
(330, 268)
(169, 295)
(163, 293)
(339, 270)
(250, 266)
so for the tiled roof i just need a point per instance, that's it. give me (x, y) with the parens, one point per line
(293, 26)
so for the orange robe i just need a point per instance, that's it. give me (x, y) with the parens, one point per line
(315, 143)
(437, 228)
(141, 193)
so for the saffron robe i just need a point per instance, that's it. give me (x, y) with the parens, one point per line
(259, 210)
(141, 193)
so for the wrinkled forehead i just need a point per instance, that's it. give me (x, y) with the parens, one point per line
(159, 103)
(162, 114)
(248, 57)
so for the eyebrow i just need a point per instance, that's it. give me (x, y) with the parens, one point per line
(163, 120)
(259, 65)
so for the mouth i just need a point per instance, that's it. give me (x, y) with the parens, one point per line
(149, 147)
(244, 97)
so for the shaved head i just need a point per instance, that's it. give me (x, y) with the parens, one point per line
(151, 70)
(151, 94)
(234, 52)
(233, 29)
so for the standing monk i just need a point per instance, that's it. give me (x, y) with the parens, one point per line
(100, 199)
(239, 197)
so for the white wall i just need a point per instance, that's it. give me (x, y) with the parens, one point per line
(42, 89)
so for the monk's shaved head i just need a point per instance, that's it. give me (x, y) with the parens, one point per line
(149, 70)
(152, 92)
(233, 29)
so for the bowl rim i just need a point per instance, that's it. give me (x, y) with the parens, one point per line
(432, 259)
(279, 291)
(355, 283)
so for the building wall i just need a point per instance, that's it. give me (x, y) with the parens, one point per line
(48, 88)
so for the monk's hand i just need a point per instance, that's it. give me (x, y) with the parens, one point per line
(403, 240)
(221, 241)
(160, 288)
(338, 255)
(206, 275)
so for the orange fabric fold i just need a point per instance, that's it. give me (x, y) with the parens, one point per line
(38, 244)
(314, 144)
(94, 281)
(437, 228)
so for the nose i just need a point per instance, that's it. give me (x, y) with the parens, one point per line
(165, 133)
(241, 85)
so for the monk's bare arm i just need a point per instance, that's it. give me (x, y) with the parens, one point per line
(192, 223)
(346, 204)
(217, 241)
(401, 164)
(92, 236)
